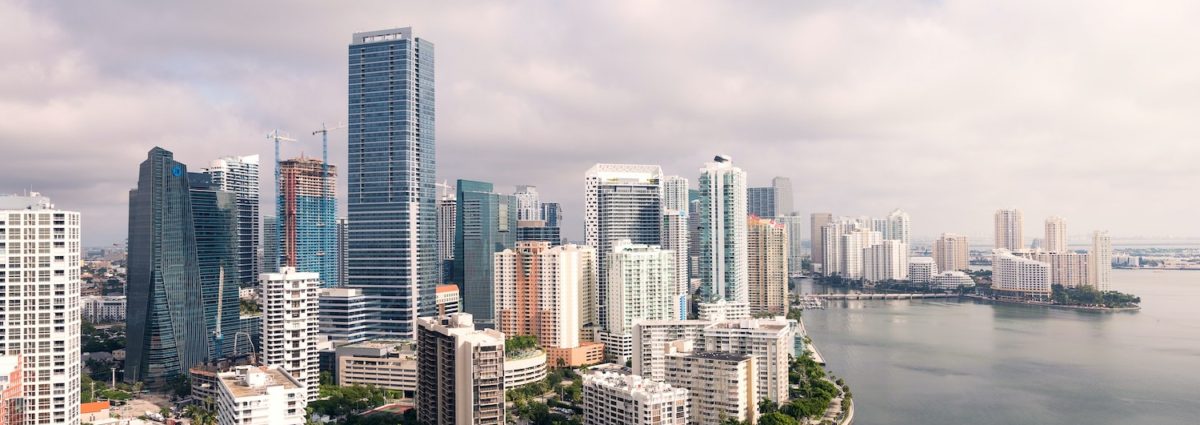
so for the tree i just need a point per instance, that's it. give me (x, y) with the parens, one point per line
(776, 418)
(766, 406)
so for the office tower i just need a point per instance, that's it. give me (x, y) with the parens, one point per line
(446, 217)
(290, 324)
(816, 222)
(721, 386)
(487, 224)
(392, 201)
(675, 236)
(899, 227)
(344, 315)
(448, 299)
(239, 175)
(612, 398)
(529, 206)
(215, 218)
(1018, 277)
(42, 301)
(341, 250)
(760, 201)
(886, 261)
(538, 293)
(390, 364)
(723, 237)
(1056, 234)
(552, 214)
(1100, 261)
(622, 202)
(165, 324)
(12, 399)
(783, 196)
(537, 230)
(460, 372)
(794, 223)
(260, 395)
(308, 218)
(641, 287)
(950, 251)
(1010, 233)
(270, 244)
(768, 266)
(921, 269)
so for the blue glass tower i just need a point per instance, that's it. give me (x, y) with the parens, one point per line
(308, 221)
(215, 217)
(486, 223)
(391, 200)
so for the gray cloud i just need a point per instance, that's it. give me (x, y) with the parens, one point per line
(946, 109)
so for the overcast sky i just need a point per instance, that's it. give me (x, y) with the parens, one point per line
(947, 109)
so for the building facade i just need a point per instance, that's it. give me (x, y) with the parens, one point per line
(611, 398)
(899, 227)
(103, 309)
(676, 210)
(308, 218)
(270, 244)
(1100, 261)
(721, 386)
(886, 261)
(921, 269)
(817, 222)
(215, 221)
(1056, 234)
(239, 175)
(381, 363)
(1017, 277)
(291, 324)
(539, 292)
(767, 271)
(641, 287)
(623, 201)
(260, 395)
(1010, 233)
(723, 255)
(12, 396)
(449, 299)
(447, 215)
(460, 372)
(529, 204)
(951, 252)
(487, 224)
(344, 315)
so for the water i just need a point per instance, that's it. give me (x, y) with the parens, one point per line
(964, 362)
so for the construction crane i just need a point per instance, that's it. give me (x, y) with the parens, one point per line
(217, 337)
(277, 136)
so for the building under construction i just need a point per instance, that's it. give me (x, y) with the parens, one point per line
(308, 218)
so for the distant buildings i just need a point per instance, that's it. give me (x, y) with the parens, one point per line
(290, 324)
(1018, 277)
(1010, 232)
(308, 218)
(460, 372)
(723, 255)
(529, 206)
(770, 202)
(952, 280)
(537, 230)
(886, 261)
(767, 271)
(1056, 234)
(449, 300)
(1067, 268)
(921, 269)
(1100, 261)
(951, 252)
(103, 309)
(270, 243)
(676, 211)
(623, 202)
(342, 271)
(447, 216)
(641, 287)
(720, 385)
(260, 395)
(817, 222)
(552, 214)
(610, 398)
(794, 223)
(487, 224)
(899, 227)
(215, 228)
(240, 175)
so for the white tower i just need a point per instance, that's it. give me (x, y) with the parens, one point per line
(723, 255)
(290, 324)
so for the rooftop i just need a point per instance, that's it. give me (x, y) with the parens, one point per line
(441, 289)
(716, 355)
(250, 381)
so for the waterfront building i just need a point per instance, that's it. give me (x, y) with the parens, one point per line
(1019, 277)
(921, 269)
(1056, 234)
(270, 244)
(529, 206)
(899, 227)
(448, 299)
(12, 400)
(1100, 261)
(344, 315)
(851, 249)
(952, 280)
(723, 310)
(536, 230)
(675, 236)
(487, 224)
(610, 398)
(460, 372)
(392, 200)
(1069, 269)
(721, 386)
(723, 255)
(42, 275)
(1010, 232)
(768, 266)
(390, 364)
(290, 324)
(538, 293)
(260, 395)
(215, 224)
(165, 321)
(447, 215)
(641, 288)
(623, 202)
(103, 309)
(950, 252)
(239, 175)
(307, 218)
(886, 261)
(769, 341)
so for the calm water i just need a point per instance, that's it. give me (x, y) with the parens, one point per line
(952, 362)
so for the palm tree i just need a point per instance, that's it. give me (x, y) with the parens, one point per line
(200, 415)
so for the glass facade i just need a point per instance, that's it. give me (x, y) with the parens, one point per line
(309, 229)
(239, 175)
(761, 201)
(215, 217)
(270, 256)
(486, 223)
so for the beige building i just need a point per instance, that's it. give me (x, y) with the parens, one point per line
(1056, 234)
(816, 222)
(1018, 277)
(1010, 233)
(951, 252)
(886, 261)
(1100, 261)
(720, 385)
(460, 372)
(1068, 269)
(611, 398)
(381, 363)
(768, 268)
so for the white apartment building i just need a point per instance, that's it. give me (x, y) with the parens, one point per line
(1010, 233)
(723, 310)
(675, 214)
(290, 325)
(1056, 234)
(460, 372)
(886, 261)
(1067, 268)
(723, 249)
(950, 280)
(652, 340)
(641, 287)
(852, 249)
(831, 247)
(260, 395)
(921, 269)
(1100, 261)
(611, 399)
(382, 363)
(899, 227)
(951, 252)
(1013, 276)
(767, 268)
(39, 287)
(770, 341)
(103, 309)
(720, 385)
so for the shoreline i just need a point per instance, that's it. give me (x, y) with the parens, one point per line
(1059, 306)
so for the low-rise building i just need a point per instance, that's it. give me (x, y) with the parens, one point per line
(953, 279)
(103, 309)
(1017, 277)
(611, 398)
(260, 395)
(381, 363)
(524, 368)
(921, 269)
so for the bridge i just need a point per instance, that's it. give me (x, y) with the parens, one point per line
(874, 296)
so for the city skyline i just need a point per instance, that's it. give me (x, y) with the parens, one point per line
(207, 99)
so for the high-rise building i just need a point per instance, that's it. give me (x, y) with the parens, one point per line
(1100, 261)
(239, 175)
(721, 386)
(165, 323)
(344, 315)
(446, 219)
(392, 200)
(769, 341)
(552, 214)
(760, 201)
(694, 231)
(831, 247)
(1056, 234)
(1010, 232)
(950, 251)
(723, 238)
(1068, 269)
(816, 239)
(487, 224)
(308, 218)
(675, 236)
(852, 246)
(460, 372)
(215, 219)
(922, 269)
(291, 323)
(1018, 277)
(260, 395)
(341, 251)
(529, 205)
(794, 223)
(768, 266)
(42, 300)
(899, 227)
(537, 230)
(270, 244)
(641, 287)
(538, 293)
(783, 196)
(623, 201)
(611, 398)
(886, 261)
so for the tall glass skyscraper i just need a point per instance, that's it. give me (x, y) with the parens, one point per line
(216, 221)
(392, 235)
(486, 223)
(165, 311)
(723, 256)
(308, 218)
(270, 243)
(239, 175)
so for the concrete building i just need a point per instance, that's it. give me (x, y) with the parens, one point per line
(723, 310)
(290, 325)
(721, 386)
(1010, 233)
(448, 299)
(344, 315)
(537, 230)
(524, 368)
(529, 206)
(487, 224)
(447, 215)
(794, 223)
(653, 341)
(951, 252)
(886, 261)
(1067, 268)
(817, 222)
(952, 280)
(308, 218)
(676, 212)
(899, 227)
(611, 398)
(381, 363)
(770, 341)
(767, 268)
(260, 395)
(240, 175)
(723, 256)
(921, 269)
(1017, 277)
(1100, 261)
(103, 309)
(12, 400)
(460, 372)
(831, 247)
(641, 287)
(851, 249)
(1056, 234)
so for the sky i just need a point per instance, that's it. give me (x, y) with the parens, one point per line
(946, 109)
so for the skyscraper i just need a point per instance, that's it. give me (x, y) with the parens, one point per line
(239, 175)
(760, 201)
(1056, 234)
(723, 236)
(950, 252)
(767, 271)
(446, 218)
(899, 227)
(460, 372)
(308, 218)
(341, 250)
(816, 239)
(1100, 261)
(783, 196)
(165, 320)
(886, 261)
(794, 223)
(552, 214)
(486, 224)
(641, 288)
(270, 244)
(623, 202)
(1010, 232)
(392, 200)
(290, 324)
(215, 217)
(529, 206)
(42, 300)
(675, 235)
